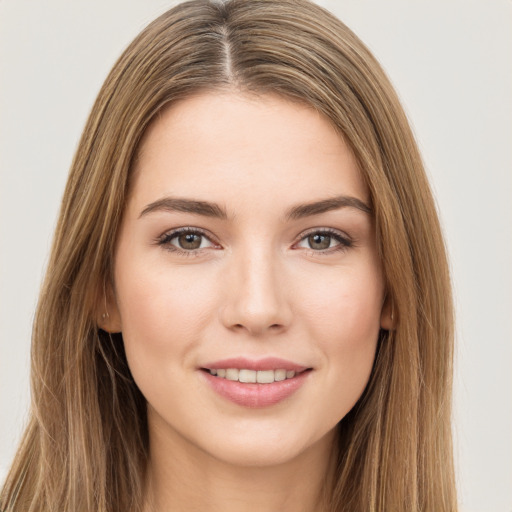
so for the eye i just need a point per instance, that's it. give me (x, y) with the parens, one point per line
(324, 240)
(185, 240)
(189, 241)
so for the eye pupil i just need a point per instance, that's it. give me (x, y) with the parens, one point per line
(189, 241)
(318, 241)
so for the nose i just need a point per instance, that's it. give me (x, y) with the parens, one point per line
(256, 295)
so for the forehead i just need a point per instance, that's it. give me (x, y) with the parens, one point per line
(247, 149)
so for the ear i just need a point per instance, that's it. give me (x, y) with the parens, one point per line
(387, 322)
(108, 316)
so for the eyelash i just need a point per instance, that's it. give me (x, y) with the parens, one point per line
(165, 241)
(344, 242)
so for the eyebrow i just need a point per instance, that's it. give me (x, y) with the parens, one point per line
(174, 204)
(325, 205)
(207, 209)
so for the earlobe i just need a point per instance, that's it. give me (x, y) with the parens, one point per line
(110, 323)
(109, 319)
(387, 320)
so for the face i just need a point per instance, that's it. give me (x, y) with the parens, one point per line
(247, 284)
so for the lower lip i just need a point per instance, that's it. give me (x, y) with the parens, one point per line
(255, 395)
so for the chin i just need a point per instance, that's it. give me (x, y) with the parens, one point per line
(265, 445)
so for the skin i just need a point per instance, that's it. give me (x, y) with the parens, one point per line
(255, 287)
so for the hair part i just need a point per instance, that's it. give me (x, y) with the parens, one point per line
(86, 445)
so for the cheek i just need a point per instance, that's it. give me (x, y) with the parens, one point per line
(344, 320)
(162, 312)
(345, 305)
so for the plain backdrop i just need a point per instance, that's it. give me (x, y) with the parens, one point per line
(451, 62)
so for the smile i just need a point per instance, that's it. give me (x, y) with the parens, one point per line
(255, 383)
(253, 376)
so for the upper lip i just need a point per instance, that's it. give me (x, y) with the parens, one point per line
(267, 363)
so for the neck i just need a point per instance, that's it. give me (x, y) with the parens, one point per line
(182, 477)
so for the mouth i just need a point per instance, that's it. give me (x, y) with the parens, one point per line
(255, 383)
(249, 376)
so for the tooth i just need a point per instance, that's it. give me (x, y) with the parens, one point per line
(265, 376)
(232, 374)
(250, 376)
(279, 375)
(247, 376)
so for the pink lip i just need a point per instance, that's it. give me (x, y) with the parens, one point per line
(252, 395)
(267, 363)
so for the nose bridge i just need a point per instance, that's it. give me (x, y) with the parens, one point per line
(256, 300)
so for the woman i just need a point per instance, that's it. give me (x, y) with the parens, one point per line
(247, 304)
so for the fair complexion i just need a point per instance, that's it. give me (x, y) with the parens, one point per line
(247, 235)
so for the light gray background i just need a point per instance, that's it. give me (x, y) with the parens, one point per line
(451, 61)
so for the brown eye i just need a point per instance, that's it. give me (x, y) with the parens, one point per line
(189, 241)
(325, 241)
(319, 241)
(186, 240)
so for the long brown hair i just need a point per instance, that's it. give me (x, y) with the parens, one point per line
(86, 445)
